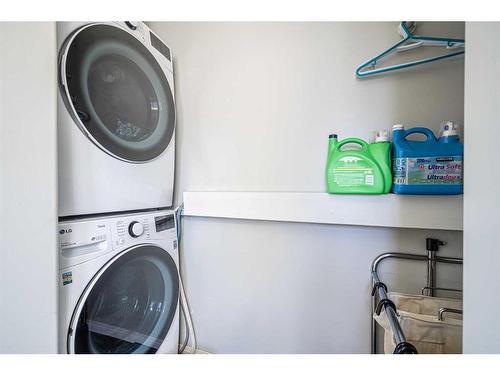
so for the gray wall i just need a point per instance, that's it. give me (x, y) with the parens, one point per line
(256, 102)
(28, 215)
(481, 201)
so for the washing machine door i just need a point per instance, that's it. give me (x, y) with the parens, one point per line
(129, 305)
(117, 92)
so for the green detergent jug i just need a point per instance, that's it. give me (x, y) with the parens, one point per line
(365, 170)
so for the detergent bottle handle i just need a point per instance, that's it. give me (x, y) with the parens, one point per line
(363, 144)
(419, 130)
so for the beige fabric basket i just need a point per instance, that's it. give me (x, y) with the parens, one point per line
(418, 317)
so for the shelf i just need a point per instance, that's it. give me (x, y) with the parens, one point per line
(390, 210)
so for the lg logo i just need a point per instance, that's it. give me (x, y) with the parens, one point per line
(62, 231)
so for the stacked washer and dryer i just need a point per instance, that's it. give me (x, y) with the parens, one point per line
(118, 257)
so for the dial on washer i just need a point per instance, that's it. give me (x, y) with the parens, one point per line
(135, 229)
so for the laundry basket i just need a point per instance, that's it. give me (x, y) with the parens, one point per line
(419, 319)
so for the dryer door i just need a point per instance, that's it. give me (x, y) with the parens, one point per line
(117, 92)
(129, 306)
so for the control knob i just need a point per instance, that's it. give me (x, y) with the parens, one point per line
(135, 229)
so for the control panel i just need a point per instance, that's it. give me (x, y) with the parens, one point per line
(130, 230)
(84, 239)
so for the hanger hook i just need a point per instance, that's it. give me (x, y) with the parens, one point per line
(406, 28)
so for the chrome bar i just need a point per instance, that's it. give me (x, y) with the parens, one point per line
(399, 336)
(383, 256)
(449, 260)
(442, 310)
(431, 272)
(443, 289)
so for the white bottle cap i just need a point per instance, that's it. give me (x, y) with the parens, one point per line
(381, 136)
(398, 127)
(448, 129)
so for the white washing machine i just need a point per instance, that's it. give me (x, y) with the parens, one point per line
(116, 118)
(119, 284)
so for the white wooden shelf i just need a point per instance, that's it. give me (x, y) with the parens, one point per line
(390, 210)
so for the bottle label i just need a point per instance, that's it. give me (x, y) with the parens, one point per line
(441, 170)
(351, 171)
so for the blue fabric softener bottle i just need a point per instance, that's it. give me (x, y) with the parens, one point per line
(432, 166)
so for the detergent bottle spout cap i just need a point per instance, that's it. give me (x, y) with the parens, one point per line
(333, 136)
(381, 136)
(398, 127)
(449, 129)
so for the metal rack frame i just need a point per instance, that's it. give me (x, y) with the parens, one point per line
(379, 292)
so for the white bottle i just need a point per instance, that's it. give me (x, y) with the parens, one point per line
(380, 136)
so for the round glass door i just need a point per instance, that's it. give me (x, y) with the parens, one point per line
(129, 307)
(117, 93)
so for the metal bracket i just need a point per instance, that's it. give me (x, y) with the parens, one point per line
(432, 244)
(378, 284)
(385, 303)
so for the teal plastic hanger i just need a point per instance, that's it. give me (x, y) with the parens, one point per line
(410, 41)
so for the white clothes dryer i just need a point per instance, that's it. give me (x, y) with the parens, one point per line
(116, 118)
(119, 284)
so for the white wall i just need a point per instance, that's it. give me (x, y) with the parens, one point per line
(28, 214)
(256, 102)
(262, 287)
(481, 200)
